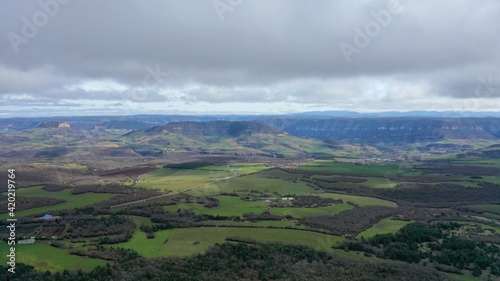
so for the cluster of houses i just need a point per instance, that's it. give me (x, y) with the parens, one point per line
(32, 239)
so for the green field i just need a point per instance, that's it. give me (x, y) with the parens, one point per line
(298, 188)
(485, 226)
(489, 208)
(148, 248)
(46, 257)
(182, 241)
(284, 224)
(360, 200)
(491, 211)
(269, 181)
(78, 167)
(234, 206)
(483, 162)
(240, 168)
(384, 226)
(265, 182)
(457, 277)
(228, 206)
(198, 208)
(492, 179)
(309, 212)
(177, 180)
(140, 243)
(140, 220)
(374, 182)
(350, 168)
(490, 216)
(72, 201)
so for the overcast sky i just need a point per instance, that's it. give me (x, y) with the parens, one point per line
(88, 57)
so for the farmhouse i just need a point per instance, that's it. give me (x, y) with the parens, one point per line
(26, 241)
(46, 217)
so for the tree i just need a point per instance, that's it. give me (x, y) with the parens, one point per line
(477, 271)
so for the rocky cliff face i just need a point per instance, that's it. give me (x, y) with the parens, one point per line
(218, 129)
(393, 130)
(54, 124)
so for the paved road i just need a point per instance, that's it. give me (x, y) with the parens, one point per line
(234, 174)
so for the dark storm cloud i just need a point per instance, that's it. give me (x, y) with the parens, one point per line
(254, 51)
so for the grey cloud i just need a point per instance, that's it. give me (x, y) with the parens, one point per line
(263, 51)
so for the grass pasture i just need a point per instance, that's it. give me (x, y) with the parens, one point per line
(373, 182)
(177, 180)
(240, 168)
(384, 226)
(284, 224)
(252, 183)
(309, 212)
(72, 201)
(140, 220)
(490, 215)
(488, 208)
(470, 162)
(360, 200)
(492, 179)
(457, 277)
(190, 241)
(267, 181)
(297, 188)
(484, 226)
(212, 189)
(45, 257)
(350, 168)
(377, 183)
(198, 208)
(234, 206)
(228, 206)
(148, 248)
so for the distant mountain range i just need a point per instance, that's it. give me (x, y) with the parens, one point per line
(391, 131)
(239, 132)
(245, 138)
(229, 138)
(421, 113)
(212, 129)
(135, 122)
